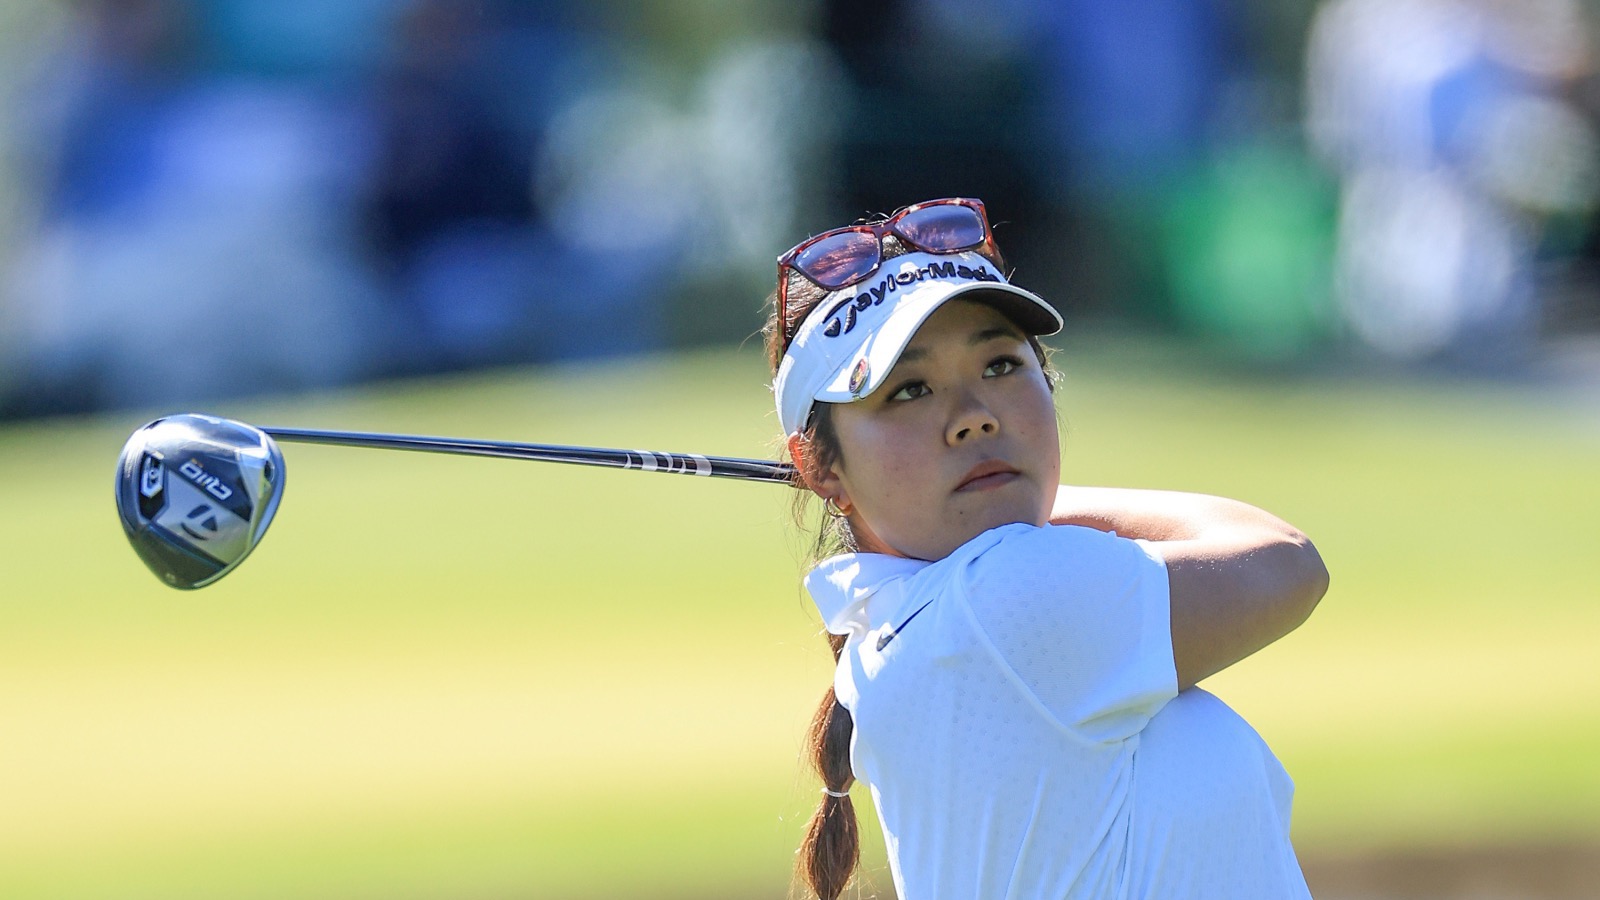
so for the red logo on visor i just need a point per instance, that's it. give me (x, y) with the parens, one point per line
(858, 376)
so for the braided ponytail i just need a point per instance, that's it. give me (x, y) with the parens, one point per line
(831, 848)
(832, 845)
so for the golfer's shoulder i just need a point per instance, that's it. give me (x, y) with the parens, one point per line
(1018, 555)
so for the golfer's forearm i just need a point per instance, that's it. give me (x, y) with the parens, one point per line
(1159, 515)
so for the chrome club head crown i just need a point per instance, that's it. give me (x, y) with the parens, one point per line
(195, 494)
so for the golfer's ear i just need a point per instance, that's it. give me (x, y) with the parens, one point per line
(823, 484)
(802, 462)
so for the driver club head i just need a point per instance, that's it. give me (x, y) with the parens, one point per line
(195, 494)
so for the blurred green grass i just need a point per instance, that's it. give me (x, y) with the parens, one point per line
(446, 677)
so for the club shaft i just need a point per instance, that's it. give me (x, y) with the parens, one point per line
(643, 460)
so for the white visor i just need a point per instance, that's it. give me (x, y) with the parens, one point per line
(850, 341)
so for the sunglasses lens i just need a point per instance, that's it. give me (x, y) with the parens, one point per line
(839, 259)
(944, 227)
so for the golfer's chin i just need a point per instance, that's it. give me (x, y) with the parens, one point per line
(962, 526)
(1017, 502)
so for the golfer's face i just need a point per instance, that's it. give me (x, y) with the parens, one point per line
(959, 439)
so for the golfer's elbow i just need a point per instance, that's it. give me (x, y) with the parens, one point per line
(1306, 575)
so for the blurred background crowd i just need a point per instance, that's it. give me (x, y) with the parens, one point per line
(209, 198)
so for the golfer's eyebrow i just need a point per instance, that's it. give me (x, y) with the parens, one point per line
(912, 354)
(989, 334)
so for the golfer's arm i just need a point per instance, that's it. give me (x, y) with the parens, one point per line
(1239, 577)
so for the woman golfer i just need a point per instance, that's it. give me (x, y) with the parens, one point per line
(1016, 658)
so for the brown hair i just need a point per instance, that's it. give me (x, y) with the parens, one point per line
(831, 848)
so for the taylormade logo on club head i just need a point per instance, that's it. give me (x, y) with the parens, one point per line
(842, 317)
(209, 522)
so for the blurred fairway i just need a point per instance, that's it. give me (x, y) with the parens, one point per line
(441, 677)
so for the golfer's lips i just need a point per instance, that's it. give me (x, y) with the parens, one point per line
(987, 474)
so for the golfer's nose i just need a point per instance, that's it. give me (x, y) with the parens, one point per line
(970, 419)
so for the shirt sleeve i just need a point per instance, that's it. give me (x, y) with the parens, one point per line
(1082, 620)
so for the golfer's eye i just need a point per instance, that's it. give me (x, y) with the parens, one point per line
(1005, 365)
(911, 390)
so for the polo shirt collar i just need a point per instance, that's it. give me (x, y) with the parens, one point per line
(841, 586)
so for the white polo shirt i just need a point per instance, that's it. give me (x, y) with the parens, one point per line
(1018, 720)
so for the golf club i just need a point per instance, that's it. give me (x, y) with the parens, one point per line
(196, 493)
